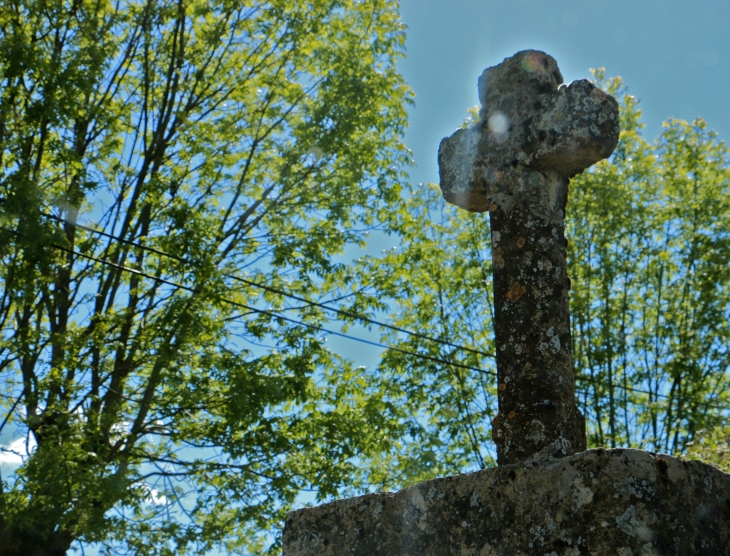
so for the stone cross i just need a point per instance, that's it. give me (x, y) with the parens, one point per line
(534, 135)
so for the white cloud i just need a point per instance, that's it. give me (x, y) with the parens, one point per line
(14, 454)
(156, 498)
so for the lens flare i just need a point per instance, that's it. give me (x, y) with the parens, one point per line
(498, 123)
(533, 62)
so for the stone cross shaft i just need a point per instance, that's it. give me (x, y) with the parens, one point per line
(534, 135)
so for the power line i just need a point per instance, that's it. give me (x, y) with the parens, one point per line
(278, 291)
(342, 335)
(314, 303)
(273, 314)
(316, 327)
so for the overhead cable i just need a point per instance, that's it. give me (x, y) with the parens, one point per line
(580, 378)
(279, 291)
(273, 314)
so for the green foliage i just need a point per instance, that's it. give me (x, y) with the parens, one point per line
(472, 118)
(243, 138)
(712, 446)
(440, 280)
(649, 254)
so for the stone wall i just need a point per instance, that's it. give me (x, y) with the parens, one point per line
(598, 502)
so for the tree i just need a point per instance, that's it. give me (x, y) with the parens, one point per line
(649, 247)
(162, 163)
(712, 446)
(440, 282)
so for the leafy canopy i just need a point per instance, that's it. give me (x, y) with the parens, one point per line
(153, 154)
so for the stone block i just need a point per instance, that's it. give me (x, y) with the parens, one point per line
(598, 502)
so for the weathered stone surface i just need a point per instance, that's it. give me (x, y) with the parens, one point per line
(529, 118)
(599, 502)
(535, 134)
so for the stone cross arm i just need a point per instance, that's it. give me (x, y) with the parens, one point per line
(528, 118)
(534, 135)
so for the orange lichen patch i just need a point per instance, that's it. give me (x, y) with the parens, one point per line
(498, 259)
(515, 292)
(527, 423)
(598, 96)
(493, 208)
(520, 242)
(502, 387)
(511, 415)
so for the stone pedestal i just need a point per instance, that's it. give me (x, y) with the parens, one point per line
(598, 502)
